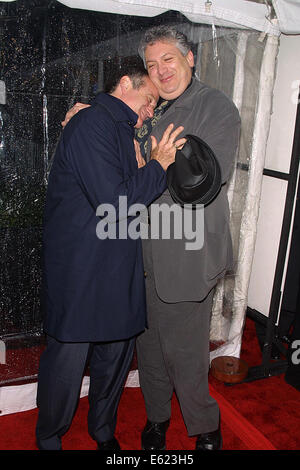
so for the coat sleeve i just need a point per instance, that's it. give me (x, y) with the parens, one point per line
(219, 125)
(99, 157)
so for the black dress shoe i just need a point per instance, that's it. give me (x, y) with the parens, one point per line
(112, 444)
(154, 435)
(209, 441)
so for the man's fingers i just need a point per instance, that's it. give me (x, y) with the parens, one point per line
(180, 143)
(166, 134)
(153, 142)
(169, 136)
(164, 151)
(77, 107)
(175, 133)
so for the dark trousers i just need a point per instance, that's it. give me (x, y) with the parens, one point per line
(61, 370)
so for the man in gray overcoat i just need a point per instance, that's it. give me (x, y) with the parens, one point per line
(173, 353)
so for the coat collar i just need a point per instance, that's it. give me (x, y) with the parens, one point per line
(117, 108)
(181, 101)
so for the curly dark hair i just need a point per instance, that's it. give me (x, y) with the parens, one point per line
(164, 33)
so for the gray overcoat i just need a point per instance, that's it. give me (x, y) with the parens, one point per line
(188, 275)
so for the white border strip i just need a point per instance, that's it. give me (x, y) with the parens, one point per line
(18, 398)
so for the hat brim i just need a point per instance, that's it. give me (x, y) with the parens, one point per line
(195, 176)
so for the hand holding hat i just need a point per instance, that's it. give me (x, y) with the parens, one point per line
(164, 151)
(195, 176)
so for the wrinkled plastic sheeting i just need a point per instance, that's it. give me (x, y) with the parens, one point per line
(229, 330)
(51, 57)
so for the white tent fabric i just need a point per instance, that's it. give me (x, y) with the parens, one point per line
(288, 14)
(220, 12)
(234, 13)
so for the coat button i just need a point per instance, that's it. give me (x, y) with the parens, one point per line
(145, 273)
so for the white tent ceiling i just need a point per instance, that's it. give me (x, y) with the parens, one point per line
(274, 17)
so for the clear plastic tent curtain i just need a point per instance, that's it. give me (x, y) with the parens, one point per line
(53, 56)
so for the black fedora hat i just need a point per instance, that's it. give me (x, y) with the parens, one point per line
(195, 176)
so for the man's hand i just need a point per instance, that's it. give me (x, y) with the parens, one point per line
(164, 151)
(77, 107)
(140, 160)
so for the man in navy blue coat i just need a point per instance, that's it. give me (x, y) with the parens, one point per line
(94, 285)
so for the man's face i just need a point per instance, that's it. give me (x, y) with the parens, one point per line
(168, 68)
(143, 100)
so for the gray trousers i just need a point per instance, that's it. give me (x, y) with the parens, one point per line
(173, 355)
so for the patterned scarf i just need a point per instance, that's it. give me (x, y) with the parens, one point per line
(143, 133)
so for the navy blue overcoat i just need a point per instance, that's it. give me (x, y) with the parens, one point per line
(94, 288)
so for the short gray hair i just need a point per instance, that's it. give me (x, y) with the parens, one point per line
(164, 33)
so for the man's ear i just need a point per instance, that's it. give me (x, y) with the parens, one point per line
(190, 59)
(125, 84)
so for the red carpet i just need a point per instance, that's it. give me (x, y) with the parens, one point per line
(19, 428)
(260, 415)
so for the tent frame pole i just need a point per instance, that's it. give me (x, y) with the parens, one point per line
(269, 366)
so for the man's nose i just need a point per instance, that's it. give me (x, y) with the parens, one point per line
(161, 68)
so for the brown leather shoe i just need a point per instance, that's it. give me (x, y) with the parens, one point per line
(154, 435)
